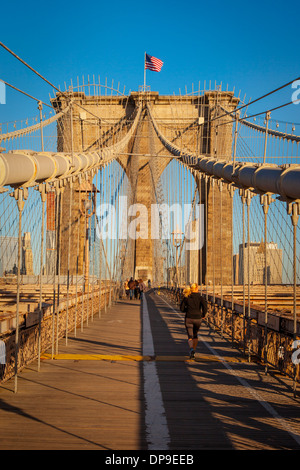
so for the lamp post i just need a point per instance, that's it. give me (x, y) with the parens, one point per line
(177, 240)
(87, 209)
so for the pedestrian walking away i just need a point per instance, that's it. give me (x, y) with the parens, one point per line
(131, 285)
(136, 289)
(195, 308)
(142, 288)
(126, 287)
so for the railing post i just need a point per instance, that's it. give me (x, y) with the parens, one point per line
(100, 244)
(231, 189)
(265, 201)
(59, 193)
(249, 196)
(43, 192)
(93, 237)
(206, 234)
(69, 252)
(20, 195)
(213, 240)
(84, 263)
(220, 185)
(77, 255)
(294, 210)
(56, 294)
(243, 198)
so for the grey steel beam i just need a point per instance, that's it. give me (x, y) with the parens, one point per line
(21, 168)
(263, 178)
(26, 168)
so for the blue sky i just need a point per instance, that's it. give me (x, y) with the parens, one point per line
(252, 47)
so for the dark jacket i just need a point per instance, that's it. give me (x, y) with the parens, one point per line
(194, 306)
(131, 284)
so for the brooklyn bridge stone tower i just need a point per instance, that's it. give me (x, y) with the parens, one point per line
(186, 119)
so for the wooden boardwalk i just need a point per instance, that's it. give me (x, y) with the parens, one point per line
(126, 383)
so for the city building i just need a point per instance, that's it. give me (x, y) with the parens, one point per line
(257, 263)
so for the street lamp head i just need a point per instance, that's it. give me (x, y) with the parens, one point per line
(177, 236)
(87, 203)
(87, 198)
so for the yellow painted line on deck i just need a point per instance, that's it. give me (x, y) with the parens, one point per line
(136, 358)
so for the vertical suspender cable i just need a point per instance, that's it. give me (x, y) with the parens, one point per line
(221, 262)
(77, 259)
(43, 198)
(19, 197)
(206, 234)
(248, 250)
(243, 257)
(69, 252)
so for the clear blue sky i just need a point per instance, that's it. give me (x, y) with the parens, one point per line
(252, 46)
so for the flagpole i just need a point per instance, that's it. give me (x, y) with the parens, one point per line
(145, 73)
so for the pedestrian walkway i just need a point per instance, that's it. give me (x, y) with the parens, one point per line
(126, 383)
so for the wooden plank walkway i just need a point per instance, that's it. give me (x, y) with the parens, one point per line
(126, 383)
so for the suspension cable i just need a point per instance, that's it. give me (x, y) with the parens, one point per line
(242, 120)
(24, 93)
(45, 79)
(258, 99)
(27, 65)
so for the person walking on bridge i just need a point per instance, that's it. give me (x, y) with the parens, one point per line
(142, 288)
(131, 285)
(195, 308)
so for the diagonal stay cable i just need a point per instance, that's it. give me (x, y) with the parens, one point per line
(27, 94)
(258, 99)
(45, 79)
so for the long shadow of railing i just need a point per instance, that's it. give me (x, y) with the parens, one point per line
(203, 398)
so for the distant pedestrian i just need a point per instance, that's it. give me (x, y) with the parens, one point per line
(131, 285)
(142, 288)
(126, 288)
(136, 289)
(195, 308)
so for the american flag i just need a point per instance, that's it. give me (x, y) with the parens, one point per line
(152, 63)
